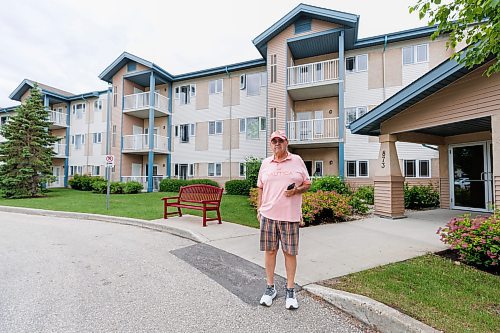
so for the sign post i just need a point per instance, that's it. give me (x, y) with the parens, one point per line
(110, 163)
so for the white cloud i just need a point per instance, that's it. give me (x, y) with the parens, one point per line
(67, 44)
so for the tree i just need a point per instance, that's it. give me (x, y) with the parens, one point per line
(475, 21)
(26, 156)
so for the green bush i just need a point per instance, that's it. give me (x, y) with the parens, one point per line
(476, 239)
(132, 187)
(359, 205)
(420, 196)
(366, 193)
(99, 186)
(322, 206)
(252, 165)
(237, 187)
(330, 183)
(83, 182)
(173, 185)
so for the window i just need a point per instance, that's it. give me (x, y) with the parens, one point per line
(253, 128)
(97, 105)
(191, 170)
(272, 119)
(302, 25)
(253, 84)
(176, 169)
(95, 170)
(243, 169)
(176, 131)
(262, 123)
(192, 129)
(263, 79)
(417, 168)
(357, 168)
(115, 96)
(78, 140)
(4, 120)
(184, 93)
(215, 127)
(354, 113)
(96, 137)
(75, 169)
(243, 125)
(131, 66)
(357, 63)
(79, 110)
(318, 169)
(274, 68)
(415, 54)
(214, 169)
(114, 136)
(184, 133)
(215, 87)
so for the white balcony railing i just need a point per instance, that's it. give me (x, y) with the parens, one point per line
(314, 72)
(57, 118)
(140, 142)
(59, 149)
(141, 101)
(313, 130)
(144, 181)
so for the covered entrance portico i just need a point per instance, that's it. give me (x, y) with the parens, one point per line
(451, 107)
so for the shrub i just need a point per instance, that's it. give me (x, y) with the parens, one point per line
(83, 182)
(237, 187)
(330, 183)
(173, 184)
(99, 186)
(116, 188)
(132, 187)
(366, 193)
(476, 239)
(358, 204)
(252, 165)
(324, 205)
(420, 196)
(253, 195)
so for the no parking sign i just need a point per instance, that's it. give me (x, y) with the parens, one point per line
(110, 161)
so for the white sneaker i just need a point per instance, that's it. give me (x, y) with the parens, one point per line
(291, 299)
(269, 295)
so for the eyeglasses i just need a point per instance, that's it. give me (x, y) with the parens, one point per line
(275, 141)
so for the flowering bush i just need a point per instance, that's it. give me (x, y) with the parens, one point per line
(476, 239)
(321, 205)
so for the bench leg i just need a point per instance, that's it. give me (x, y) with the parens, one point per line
(204, 218)
(218, 216)
(179, 211)
(165, 211)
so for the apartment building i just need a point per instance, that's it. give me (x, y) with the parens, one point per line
(315, 77)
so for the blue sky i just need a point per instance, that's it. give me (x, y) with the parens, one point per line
(67, 44)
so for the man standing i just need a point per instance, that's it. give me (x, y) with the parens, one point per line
(282, 179)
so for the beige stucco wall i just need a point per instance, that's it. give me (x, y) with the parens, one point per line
(323, 104)
(322, 154)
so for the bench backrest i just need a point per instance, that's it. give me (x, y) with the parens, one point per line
(200, 192)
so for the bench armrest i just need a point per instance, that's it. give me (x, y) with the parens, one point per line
(170, 198)
(210, 201)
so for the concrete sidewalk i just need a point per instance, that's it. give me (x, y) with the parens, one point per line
(331, 250)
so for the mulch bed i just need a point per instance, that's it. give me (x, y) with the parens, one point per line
(455, 257)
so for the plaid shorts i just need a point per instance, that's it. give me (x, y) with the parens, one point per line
(272, 232)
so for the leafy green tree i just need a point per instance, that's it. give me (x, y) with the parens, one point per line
(252, 169)
(26, 156)
(475, 21)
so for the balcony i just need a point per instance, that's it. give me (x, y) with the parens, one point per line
(139, 144)
(144, 181)
(137, 105)
(57, 120)
(314, 133)
(59, 149)
(314, 80)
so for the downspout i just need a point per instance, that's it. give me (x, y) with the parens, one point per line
(383, 67)
(230, 122)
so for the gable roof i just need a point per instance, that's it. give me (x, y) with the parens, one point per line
(306, 11)
(27, 84)
(441, 76)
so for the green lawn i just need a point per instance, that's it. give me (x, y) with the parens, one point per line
(434, 290)
(146, 206)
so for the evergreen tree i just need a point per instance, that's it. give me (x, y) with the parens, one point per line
(26, 156)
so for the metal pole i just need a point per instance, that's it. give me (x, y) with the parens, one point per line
(108, 145)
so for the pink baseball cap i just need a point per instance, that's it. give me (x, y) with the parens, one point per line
(278, 134)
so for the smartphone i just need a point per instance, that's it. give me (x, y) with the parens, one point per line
(291, 186)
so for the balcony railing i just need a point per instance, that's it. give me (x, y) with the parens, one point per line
(301, 131)
(59, 149)
(57, 118)
(144, 181)
(140, 142)
(315, 72)
(140, 101)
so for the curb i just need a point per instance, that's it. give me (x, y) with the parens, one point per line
(375, 314)
(106, 218)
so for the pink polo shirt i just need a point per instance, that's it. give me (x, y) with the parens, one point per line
(274, 177)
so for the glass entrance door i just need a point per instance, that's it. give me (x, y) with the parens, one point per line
(471, 177)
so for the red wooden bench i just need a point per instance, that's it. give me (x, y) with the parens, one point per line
(198, 197)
